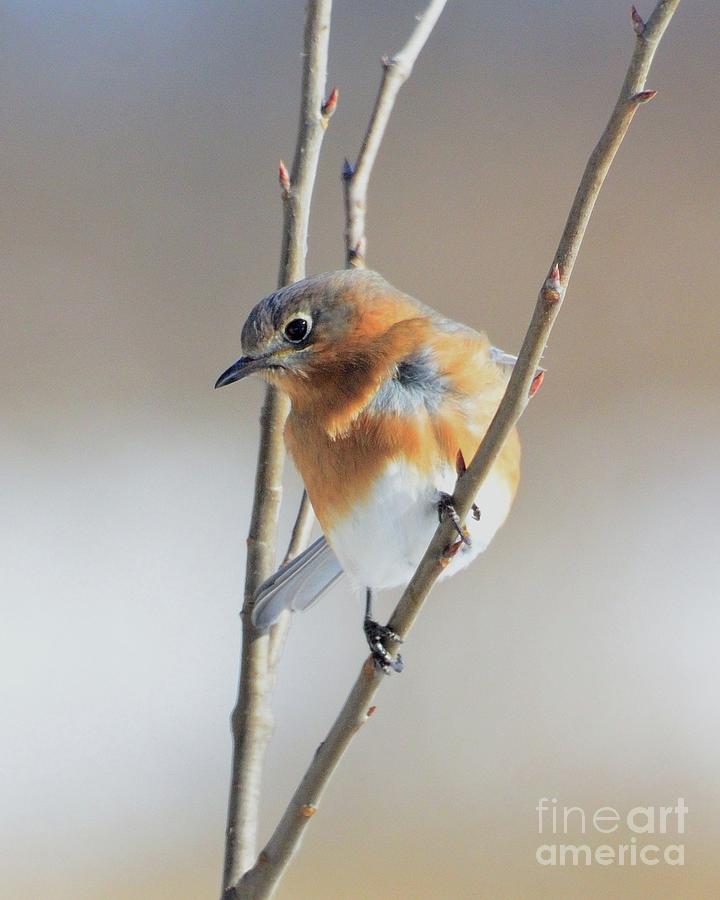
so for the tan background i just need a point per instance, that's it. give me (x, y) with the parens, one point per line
(140, 222)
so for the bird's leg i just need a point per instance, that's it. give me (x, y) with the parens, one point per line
(375, 634)
(446, 507)
(461, 469)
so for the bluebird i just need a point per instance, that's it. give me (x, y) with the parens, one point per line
(386, 396)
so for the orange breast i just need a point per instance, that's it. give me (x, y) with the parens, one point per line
(341, 446)
(339, 473)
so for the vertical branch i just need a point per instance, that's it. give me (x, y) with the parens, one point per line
(396, 71)
(261, 880)
(251, 718)
(315, 112)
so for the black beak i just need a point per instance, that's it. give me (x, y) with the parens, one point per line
(246, 365)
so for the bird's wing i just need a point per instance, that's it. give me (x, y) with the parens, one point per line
(298, 584)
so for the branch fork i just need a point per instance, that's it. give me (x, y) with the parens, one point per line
(637, 22)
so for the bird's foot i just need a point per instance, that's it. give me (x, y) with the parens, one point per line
(376, 634)
(446, 507)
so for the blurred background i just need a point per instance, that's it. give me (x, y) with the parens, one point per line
(141, 220)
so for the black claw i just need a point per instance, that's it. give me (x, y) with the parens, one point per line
(375, 634)
(446, 507)
(387, 663)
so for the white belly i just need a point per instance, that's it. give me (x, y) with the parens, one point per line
(381, 542)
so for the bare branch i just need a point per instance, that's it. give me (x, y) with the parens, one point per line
(358, 707)
(299, 540)
(301, 529)
(314, 116)
(251, 718)
(396, 71)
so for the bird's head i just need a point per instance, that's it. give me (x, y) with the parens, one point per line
(297, 333)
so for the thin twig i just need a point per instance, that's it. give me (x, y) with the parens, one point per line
(251, 718)
(261, 880)
(396, 71)
(299, 540)
(301, 529)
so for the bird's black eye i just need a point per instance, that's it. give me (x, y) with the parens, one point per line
(296, 330)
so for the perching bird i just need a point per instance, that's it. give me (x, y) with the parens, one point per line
(385, 392)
